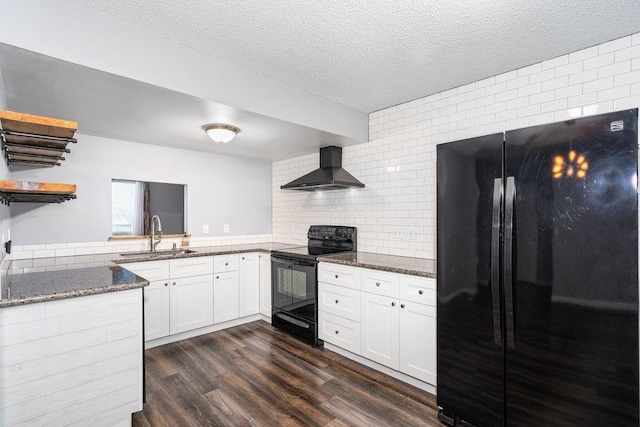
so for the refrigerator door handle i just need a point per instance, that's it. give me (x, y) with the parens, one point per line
(507, 272)
(495, 259)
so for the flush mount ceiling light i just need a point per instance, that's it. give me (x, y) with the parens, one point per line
(220, 132)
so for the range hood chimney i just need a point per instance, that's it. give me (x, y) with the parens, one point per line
(330, 176)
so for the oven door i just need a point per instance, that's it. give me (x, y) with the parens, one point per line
(294, 285)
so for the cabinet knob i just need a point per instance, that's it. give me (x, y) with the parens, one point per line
(401, 305)
(420, 291)
(242, 257)
(174, 283)
(393, 304)
(217, 277)
(377, 283)
(337, 301)
(226, 263)
(166, 284)
(337, 276)
(337, 332)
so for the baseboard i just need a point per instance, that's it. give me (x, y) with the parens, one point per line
(202, 331)
(381, 368)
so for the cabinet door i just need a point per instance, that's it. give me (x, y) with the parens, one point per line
(249, 276)
(265, 285)
(418, 341)
(191, 304)
(156, 310)
(379, 329)
(225, 297)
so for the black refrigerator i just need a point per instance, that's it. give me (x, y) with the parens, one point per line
(537, 256)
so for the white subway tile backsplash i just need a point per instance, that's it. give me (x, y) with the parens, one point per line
(615, 68)
(583, 54)
(628, 53)
(614, 45)
(555, 62)
(611, 94)
(598, 61)
(583, 76)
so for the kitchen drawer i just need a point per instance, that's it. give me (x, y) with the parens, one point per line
(338, 331)
(152, 270)
(418, 289)
(339, 300)
(380, 283)
(188, 267)
(341, 275)
(225, 263)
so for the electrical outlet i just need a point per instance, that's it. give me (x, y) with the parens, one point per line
(411, 235)
(397, 234)
(226, 229)
(205, 228)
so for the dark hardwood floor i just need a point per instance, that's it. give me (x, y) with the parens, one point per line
(253, 375)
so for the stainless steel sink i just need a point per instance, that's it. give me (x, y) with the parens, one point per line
(149, 254)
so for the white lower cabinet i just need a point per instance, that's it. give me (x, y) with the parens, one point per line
(156, 310)
(417, 341)
(190, 303)
(226, 294)
(380, 326)
(388, 318)
(179, 297)
(265, 285)
(249, 277)
(339, 331)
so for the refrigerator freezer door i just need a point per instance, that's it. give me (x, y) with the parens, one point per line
(470, 361)
(574, 355)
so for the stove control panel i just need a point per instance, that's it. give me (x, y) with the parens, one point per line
(332, 232)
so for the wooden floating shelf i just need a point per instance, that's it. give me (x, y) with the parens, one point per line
(36, 192)
(30, 140)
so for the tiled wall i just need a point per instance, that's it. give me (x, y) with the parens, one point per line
(395, 213)
(116, 246)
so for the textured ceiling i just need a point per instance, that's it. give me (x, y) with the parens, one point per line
(112, 106)
(377, 53)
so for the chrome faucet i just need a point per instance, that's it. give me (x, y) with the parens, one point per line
(154, 220)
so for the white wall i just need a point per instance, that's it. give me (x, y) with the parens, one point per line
(398, 164)
(220, 190)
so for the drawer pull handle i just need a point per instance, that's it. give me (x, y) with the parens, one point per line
(401, 305)
(174, 283)
(377, 283)
(337, 276)
(420, 291)
(337, 301)
(337, 332)
(393, 304)
(166, 284)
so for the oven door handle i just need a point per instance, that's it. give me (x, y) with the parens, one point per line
(293, 261)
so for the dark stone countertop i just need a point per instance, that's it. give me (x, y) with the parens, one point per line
(395, 264)
(207, 251)
(28, 281)
(29, 288)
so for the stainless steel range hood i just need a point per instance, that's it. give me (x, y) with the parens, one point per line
(330, 176)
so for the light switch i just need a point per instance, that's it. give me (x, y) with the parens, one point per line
(226, 229)
(205, 228)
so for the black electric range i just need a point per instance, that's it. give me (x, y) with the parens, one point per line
(294, 279)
